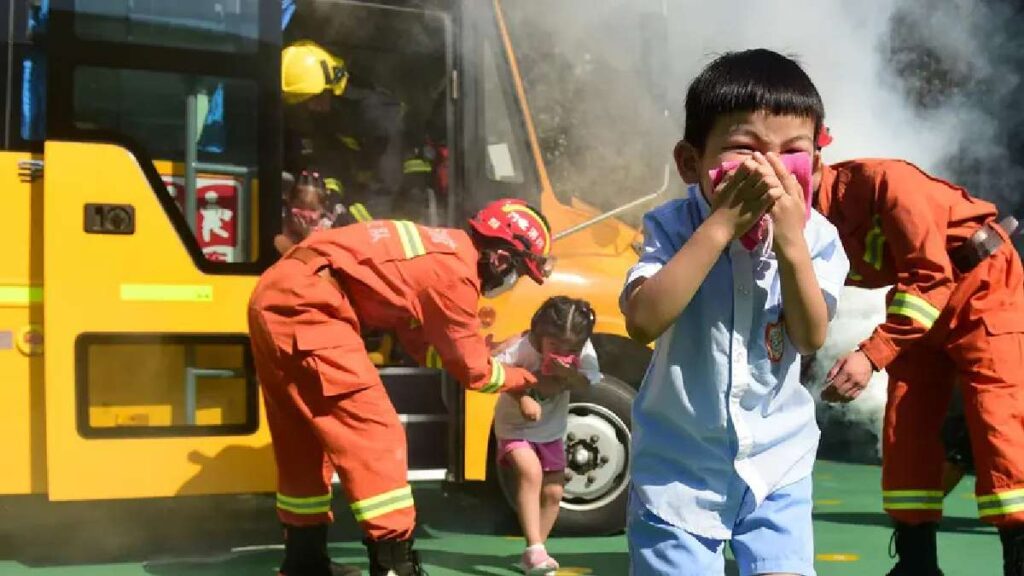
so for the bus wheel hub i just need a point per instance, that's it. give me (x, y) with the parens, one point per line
(595, 453)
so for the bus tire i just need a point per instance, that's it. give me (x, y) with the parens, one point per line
(598, 461)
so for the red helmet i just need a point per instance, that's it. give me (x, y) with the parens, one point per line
(523, 228)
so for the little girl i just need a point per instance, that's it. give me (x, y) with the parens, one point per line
(530, 426)
(304, 211)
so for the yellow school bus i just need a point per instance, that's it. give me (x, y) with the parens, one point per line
(141, 179)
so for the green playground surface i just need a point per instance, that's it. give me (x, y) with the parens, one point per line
(462, 532)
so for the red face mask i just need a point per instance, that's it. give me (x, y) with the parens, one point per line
(547, 365)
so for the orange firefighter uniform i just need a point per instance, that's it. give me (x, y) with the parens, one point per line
(947, 315)
(326, 406)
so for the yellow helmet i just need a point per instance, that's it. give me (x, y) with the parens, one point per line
(308, 70)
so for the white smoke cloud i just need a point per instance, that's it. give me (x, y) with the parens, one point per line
(929, 83)
(859, 421)
(840, 45)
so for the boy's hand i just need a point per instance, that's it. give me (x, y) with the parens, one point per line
(742, 197)
(788, 211)
(529, 408)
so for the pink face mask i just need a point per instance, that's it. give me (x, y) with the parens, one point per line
(799, 164)
(310, 218)
(547, 365)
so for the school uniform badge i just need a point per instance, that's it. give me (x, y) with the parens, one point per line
(775, 340)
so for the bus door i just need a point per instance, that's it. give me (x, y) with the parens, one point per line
(383, 145)
(161, 200)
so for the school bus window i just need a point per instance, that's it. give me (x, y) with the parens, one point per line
(183, 387)
(6, 65)
(228, 26)
(179, 119)
(503, 155)
(149, 107)
(22, 70)
(379, 142)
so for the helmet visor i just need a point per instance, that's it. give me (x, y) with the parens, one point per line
(536, 267)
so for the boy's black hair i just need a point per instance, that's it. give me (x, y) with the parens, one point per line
(563, 317)
(749, 81)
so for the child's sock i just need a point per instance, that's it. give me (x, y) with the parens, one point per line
(537, 562)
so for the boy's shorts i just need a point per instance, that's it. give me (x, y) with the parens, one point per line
(551, 454)
(777, 536)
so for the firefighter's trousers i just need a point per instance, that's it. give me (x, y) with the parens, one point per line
(326, 406)
(977, 343)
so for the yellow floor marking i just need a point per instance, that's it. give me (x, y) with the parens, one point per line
(573, 571)
(828, 502)
(838, 557)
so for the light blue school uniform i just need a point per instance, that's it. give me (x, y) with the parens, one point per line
(723, 432)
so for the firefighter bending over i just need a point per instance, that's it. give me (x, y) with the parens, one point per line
(326, 406)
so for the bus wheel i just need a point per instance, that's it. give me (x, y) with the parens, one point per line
(597, 452)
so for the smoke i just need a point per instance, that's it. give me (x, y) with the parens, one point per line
(840, 46)
(936, 84)
(595, 73)
(850, 431)
(965, 64)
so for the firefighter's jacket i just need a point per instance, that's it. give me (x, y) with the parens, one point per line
(422, 284)
(898, 226)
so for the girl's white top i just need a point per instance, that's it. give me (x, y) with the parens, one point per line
(509, 423)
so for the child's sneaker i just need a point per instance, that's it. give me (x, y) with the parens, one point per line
(537, 562)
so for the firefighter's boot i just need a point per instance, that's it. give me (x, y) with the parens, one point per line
(915, 546)
(305, 554)
(393, 558)
(1013, 550)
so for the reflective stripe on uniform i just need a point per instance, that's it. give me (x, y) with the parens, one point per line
(307, 505)
(381, 504)
(360, 213)
(409, 234)
(497, 378)
(334, 185)
(433, 358)
(912, 499)
(914, 307)
(854, 276)
(874, 244)
(350, 142)
(1001, 503)
(416, 166)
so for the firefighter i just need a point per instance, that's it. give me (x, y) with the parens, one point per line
(424, 191)
(955, 311)
(326, 406)
(419, 199)
(350, 134)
